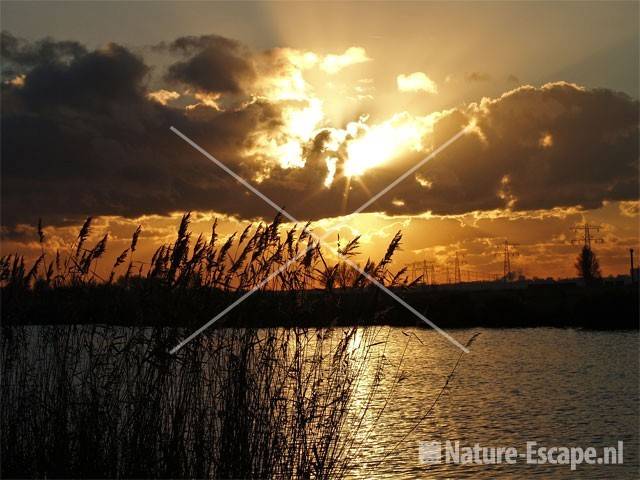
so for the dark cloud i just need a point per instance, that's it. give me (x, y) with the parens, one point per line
(535, 148)
(80, 137)
(191, 44)
(92, 81)
(18, 54)
(538, 148)
(213, 64)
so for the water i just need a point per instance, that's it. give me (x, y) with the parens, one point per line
(552, 386)
(556, 387)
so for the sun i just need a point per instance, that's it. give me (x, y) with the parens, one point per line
(351, 150)
(383, 142)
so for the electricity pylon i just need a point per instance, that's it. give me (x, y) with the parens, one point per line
(457, 275)
(587, 236)
(456, 261)
(507, 252)
(424, 268)
(429, 272)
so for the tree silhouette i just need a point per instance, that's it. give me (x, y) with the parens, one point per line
(587, 265)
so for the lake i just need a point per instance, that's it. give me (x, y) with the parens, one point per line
(104, 401)
(556, 387)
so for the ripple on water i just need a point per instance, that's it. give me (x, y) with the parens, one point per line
(553, 386)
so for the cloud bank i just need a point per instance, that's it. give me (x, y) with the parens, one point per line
(86, 132)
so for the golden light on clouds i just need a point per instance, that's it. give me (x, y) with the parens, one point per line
(359, 145)
(303, 122)
(300, 124)
(473, 127)
(337, 112)
(17, 81)
(416, 82)
(163, 96)
(423, 182)
(332, 64)
(630, 208)
(376, 144)
(210, 100)
(546, 141)
(332, 163)
(505, 192)
(302, 109)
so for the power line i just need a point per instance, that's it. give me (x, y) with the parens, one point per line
(585, 232)
(424, 269)
(508, 253)
(450, 271)
(457, 276)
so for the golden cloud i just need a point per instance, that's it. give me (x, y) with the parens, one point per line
(416, 82)
(163, 96)
(332, 63)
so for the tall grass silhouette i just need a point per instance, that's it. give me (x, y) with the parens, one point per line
(92, 400)
(240, 263)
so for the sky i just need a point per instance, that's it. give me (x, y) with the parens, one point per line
(321, 106)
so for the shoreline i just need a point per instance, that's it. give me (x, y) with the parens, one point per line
(602, 307)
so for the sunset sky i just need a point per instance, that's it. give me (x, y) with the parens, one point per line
(320, 106)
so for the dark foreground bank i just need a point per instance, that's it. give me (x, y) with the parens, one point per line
(602, 307)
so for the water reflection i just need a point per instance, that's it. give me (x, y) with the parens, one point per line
(556, 387)
(289, 391)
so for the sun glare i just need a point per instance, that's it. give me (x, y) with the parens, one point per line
(331, 171)
(350, 150)
(303, 122)
(382, 142)
(290, 154)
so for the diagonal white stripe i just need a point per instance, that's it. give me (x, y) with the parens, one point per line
(411, 170)
(389, 292)
(239, 300)
(233, 174)
(318, 239)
